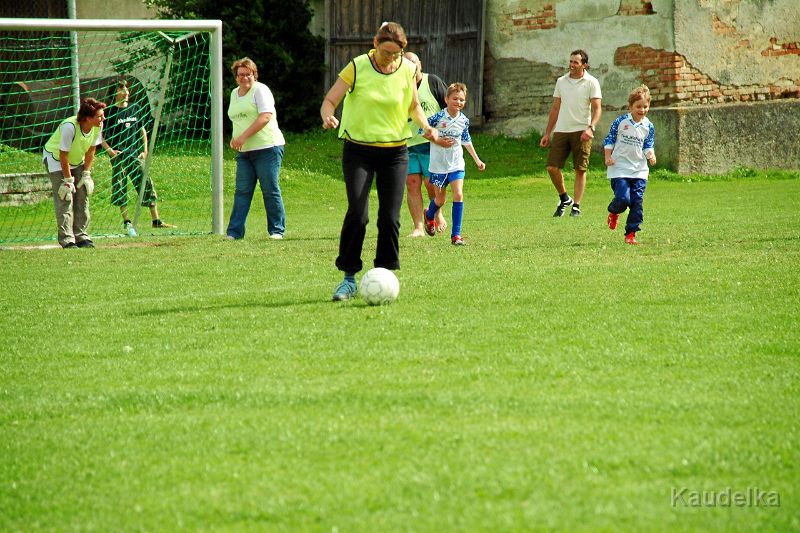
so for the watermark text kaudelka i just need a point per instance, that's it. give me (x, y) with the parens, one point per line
(727, 497)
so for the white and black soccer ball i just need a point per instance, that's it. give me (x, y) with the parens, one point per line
(379, 286)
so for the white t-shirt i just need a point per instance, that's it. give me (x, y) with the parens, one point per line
(67, 135)
(576, 96)
(444, 160)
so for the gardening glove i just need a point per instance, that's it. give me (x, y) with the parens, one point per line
(67, 188)
(87, 181)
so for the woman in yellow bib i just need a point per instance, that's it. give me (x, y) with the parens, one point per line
(68, 153)
(380, 94)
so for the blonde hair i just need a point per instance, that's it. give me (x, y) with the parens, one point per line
(247, 63)
(456, 87)
(392, 31)
(642, 92)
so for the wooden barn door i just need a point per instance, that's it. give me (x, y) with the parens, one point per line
(447, 35)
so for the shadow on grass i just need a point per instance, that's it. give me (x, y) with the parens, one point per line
(286, 302)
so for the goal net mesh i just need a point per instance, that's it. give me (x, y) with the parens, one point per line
(168, 81)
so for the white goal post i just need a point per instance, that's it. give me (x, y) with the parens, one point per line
(213, 28)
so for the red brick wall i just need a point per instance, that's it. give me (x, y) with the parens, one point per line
(525, 19)
(782, 49)
(673, 80)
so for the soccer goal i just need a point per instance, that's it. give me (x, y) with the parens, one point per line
(162, 83)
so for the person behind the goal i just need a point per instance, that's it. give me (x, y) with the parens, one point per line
(125, 141)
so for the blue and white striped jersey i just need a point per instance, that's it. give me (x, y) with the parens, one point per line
(630, 142)
(444, 160)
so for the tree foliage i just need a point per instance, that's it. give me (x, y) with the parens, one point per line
(274, 34)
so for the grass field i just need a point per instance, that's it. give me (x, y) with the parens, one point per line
(546, 376)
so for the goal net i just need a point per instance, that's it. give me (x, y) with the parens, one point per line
(161, 82)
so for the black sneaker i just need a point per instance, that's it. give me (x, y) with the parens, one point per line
(575, 212)
(70, 245)
(85, 244)
(158, 223)
(562, 206)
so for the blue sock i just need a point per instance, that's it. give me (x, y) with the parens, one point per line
(432, 209)
(458, 215)
(350, 278)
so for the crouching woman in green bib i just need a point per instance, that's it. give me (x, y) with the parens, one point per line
(380, 94)
(68, 153)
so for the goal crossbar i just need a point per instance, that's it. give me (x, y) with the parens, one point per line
(213, 27)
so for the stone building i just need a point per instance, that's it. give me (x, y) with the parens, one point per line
(723, 73)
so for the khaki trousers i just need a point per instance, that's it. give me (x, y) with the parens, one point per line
(72, 214)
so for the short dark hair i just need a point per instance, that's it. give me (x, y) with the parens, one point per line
(89, 108)
(392, 31)
(584, 56)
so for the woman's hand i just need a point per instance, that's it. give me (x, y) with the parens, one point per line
(330, 122)
(236, 144)
(432, 134)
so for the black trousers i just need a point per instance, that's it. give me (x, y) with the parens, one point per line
(389, 167)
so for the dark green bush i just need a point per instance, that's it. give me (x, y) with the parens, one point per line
(274, 34)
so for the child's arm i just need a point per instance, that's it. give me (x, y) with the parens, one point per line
(649, 145)
(609, 161)
(480, 164)
(611, 140)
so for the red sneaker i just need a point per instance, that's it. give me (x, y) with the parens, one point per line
(612, 220)
(457, 241)
(430, 225)
(630, 238)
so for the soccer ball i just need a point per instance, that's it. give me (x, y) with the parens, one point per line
(379, 286)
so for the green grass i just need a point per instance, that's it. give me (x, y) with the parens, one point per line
(546, 376)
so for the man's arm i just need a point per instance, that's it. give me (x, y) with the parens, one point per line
(597, 109)
(551, 122)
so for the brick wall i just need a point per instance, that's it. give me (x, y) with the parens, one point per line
(780, 49)
(635, 7)
(674, 81)
(515, 87)
(543, 18)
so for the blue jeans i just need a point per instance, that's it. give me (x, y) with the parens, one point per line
(629, 194)
(260, 166)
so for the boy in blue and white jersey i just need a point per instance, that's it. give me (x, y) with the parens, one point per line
(629, 147)
(447, 160)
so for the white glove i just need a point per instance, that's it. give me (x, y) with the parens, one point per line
(67, 188)
(87, 181)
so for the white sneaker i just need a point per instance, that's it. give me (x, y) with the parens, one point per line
(131, 230)
(276, 237)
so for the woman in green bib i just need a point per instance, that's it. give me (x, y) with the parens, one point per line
(68, 153)
(259, 143)
(380, 94)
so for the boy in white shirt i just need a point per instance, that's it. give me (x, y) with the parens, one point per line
(629, 147)
(447, 163)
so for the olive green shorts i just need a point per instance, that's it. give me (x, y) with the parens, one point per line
(563, 144)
